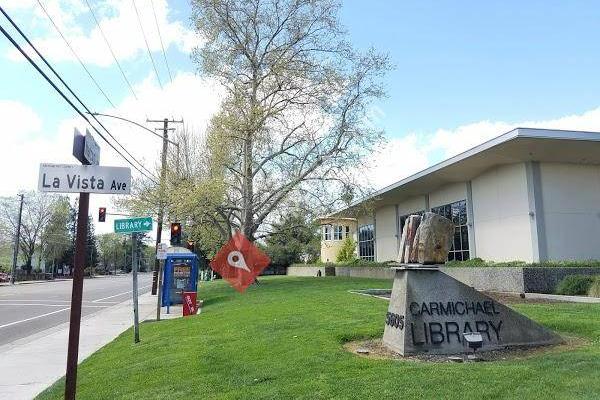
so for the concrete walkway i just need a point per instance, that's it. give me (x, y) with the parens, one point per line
(30, 365)
(573, 299)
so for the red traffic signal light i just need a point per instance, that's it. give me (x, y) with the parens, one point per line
(176, 234)
(102, 214)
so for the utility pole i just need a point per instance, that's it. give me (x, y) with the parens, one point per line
(161, 205)
(17, 238)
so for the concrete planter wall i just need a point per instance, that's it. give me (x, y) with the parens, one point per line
(500, 279)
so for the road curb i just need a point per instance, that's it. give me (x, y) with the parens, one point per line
(30, 365)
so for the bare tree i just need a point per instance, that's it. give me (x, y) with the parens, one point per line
(37, 211)
(295, 120)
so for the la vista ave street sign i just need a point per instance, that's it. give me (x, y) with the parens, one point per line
(67, 178)
(133, 225)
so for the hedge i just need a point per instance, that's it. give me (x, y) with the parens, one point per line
(575, 285)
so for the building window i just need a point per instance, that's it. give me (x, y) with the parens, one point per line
(327, 232)
(366, 242)
(347, 231)
(457, 213)
(402, 220)
(338, 232)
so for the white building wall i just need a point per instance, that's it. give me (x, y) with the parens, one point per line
(386, 241)
(365, 220)
(501, 220)
(448, 194)
(571, 210)
(412, 205)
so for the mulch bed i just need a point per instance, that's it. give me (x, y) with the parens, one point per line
(376, 350)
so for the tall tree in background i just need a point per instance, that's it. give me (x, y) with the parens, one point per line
(91, 259)
(294, 239)
(37, 211)
(295, 118)
(56, 238)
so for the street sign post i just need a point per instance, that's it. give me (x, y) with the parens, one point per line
(91, 150)
(133, 225)
(161, 251)
(161, 255)
(67, 178)
(85, 148)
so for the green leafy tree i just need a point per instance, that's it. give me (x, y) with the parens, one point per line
(92, 254)
(347, 252)
(294, 239)
(295, 116)
(57, 239)
(111, 250)
(37, 210)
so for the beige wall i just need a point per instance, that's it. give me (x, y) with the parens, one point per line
(386, 242)
(414, 204)
(501, 218)
(571, 210)
(448, 194)
(331, 248)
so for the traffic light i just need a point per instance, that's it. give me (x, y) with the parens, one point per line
(190, 245)
(175, 234)
(102, 214)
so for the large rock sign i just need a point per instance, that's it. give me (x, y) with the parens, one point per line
(426, 239)
(429, 311)
(408, 237)
(433, 239)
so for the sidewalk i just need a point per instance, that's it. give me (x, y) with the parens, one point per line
(573, 299)
(30, 365)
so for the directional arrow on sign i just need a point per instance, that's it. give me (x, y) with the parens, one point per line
(133, 225)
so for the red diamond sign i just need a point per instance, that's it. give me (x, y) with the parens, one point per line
(239, 262)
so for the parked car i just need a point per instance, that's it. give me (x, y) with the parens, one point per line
(4, 277)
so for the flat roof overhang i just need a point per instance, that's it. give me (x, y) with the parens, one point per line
(518, 145)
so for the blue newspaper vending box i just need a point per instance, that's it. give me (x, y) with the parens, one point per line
(180, 274)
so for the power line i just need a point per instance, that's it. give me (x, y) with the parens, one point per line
(147, 46)
(161, 41)
(16, 45)
(111, 50)
(75, 54)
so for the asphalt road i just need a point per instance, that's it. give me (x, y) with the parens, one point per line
(26, 309)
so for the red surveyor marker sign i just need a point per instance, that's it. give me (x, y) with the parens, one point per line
(239, 262)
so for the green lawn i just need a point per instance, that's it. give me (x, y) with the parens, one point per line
(283, 340)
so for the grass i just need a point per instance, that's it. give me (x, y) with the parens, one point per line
(283, 340)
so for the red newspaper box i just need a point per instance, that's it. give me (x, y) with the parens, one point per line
(189, 303)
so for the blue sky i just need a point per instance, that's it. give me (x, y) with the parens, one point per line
(465, 71)
(465, 61)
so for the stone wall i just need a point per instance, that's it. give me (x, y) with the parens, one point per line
(507, 279)
(365, 272)
(500, 279)
(545, 280)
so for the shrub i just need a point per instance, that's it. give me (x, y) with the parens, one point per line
(347, 251)
(595, 288)
(575, 285)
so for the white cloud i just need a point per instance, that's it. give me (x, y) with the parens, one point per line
(119, 23)
(398, 158)
(192, 98)
(401, 157)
